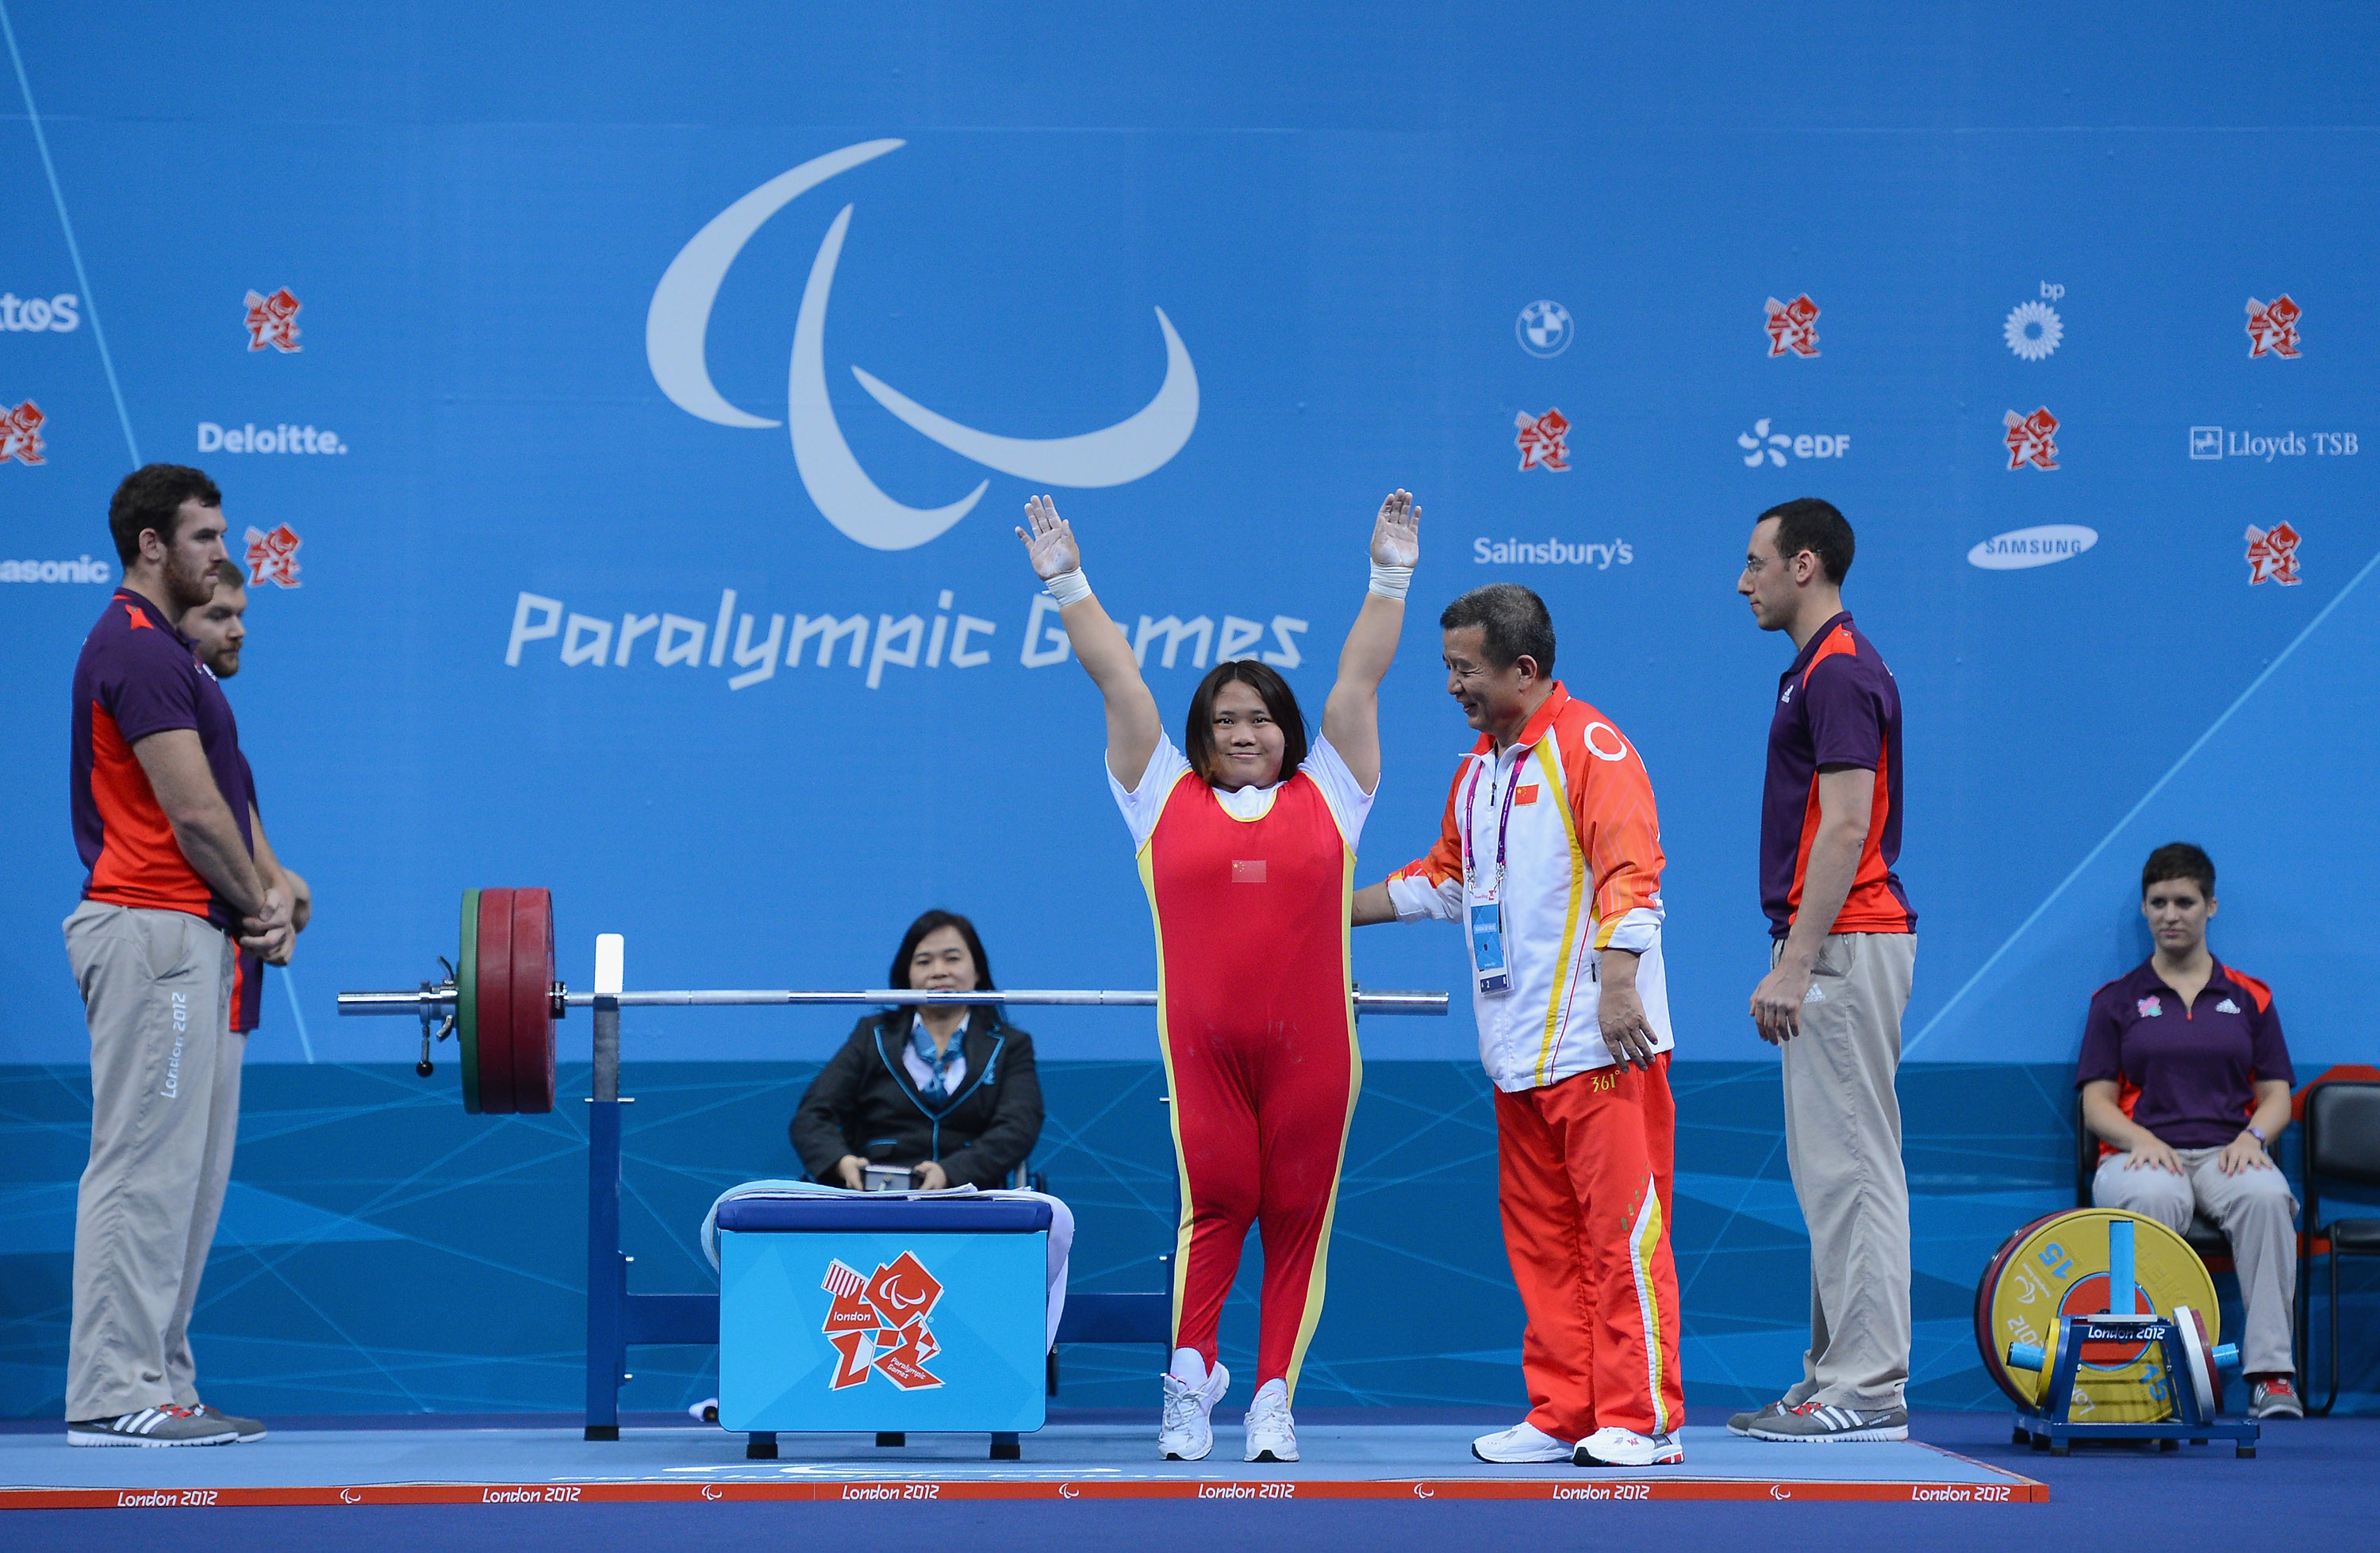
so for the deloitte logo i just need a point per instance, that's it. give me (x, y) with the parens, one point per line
(1544, 328)
(253, 438)
(2021, 548)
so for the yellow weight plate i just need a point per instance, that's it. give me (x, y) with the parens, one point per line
(2057, 1266)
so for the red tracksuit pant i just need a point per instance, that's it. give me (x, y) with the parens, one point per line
(1583, 1175)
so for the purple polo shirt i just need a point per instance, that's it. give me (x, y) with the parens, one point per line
(2187, 1075)
(248, 977)
(137, 676)
(1836, 706)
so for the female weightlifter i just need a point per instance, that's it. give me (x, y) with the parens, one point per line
(1247, 846)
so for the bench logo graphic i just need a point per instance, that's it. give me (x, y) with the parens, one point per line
(274, 557)
(1544, 440)
(272, 321)
(1792, 326)
(2273, 327)
(2032, 438)
(21, 434)
(878, 1323)
(679, 319)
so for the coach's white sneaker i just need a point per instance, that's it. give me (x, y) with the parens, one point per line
(1522, 1442)
(1626, 1448)
(1271, 1435)
(1182, 1432)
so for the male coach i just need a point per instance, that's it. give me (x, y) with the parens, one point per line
(160, 817)
(1844, 949)
(1551, 853)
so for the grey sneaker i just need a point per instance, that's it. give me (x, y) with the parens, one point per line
(1742, 1422)
(2276, 1398)
(1822, 1424)
(152, 1426)
(246, 1428)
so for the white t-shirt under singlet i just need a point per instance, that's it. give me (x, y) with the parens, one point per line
(1141, 806)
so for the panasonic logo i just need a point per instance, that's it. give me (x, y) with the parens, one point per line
(2044, 546)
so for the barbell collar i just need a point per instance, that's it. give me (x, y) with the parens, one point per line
(440, 1000)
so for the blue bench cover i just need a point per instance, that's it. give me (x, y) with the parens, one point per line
(855, 1215)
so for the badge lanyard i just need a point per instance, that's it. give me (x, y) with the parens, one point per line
(1487, 959)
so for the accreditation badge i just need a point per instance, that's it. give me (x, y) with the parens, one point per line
(1487, 948)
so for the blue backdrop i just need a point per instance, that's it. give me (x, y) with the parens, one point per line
(608, 376)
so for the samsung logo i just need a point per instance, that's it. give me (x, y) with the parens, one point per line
(2033, 547)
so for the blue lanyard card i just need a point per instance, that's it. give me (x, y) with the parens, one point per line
(1487, 946)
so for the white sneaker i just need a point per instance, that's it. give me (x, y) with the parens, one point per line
(1522, 1442)
(1626, 1448)
(1272, 1436)
(1182, 1431)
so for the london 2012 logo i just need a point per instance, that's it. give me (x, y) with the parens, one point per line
(679, 318)
(878, 1324)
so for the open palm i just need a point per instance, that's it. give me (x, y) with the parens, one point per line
(1396, 537)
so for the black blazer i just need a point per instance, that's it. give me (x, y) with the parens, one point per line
(864, 1102)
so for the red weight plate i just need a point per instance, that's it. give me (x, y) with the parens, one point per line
(496, 982)
(1988, 1341)
(532, 1030)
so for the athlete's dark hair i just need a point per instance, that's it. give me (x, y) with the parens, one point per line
(1198, 731)
(1513, 622)
(1806, 523)
(230, 574)
(151, 497)
(2178, 860)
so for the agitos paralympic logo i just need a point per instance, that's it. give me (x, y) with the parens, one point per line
(878, 1324)
(679, 318)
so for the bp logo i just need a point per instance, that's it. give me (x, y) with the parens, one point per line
(879, 1325)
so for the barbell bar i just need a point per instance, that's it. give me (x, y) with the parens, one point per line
(500, 999)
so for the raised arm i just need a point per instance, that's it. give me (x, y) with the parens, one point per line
(1134, 725)
(1351, 718)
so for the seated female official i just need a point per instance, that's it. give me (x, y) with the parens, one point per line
(2186, 1078)
(948, 1091)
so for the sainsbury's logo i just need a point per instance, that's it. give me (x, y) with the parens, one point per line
(2042, 546)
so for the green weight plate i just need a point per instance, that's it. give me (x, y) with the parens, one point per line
(466, 1002)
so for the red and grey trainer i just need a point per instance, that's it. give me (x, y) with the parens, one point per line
(153, 1425)
(2275, 1397)
(1825, 1424)
(246, 1428)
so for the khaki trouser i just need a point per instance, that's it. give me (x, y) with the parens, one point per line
(165, 1092)
(2256, 1213)
(1842, 1143)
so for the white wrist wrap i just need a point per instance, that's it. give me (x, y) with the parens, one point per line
(1068, 588)
(1390, 582)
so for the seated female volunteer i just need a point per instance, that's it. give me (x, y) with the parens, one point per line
(948, 1091)
(2184, 1070)
(1245, 842)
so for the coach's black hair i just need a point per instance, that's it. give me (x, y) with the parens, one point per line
(1512, 621)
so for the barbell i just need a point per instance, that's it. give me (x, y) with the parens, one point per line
(500, 999)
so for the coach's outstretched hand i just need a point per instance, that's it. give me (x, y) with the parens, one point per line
(1051, 546)
(1396, 537)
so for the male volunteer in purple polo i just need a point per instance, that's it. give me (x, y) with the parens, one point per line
(161, 809)
(1843, 950)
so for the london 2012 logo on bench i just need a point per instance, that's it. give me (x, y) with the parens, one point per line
(879, 1323)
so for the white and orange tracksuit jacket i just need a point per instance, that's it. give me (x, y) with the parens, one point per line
(1581, 873)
